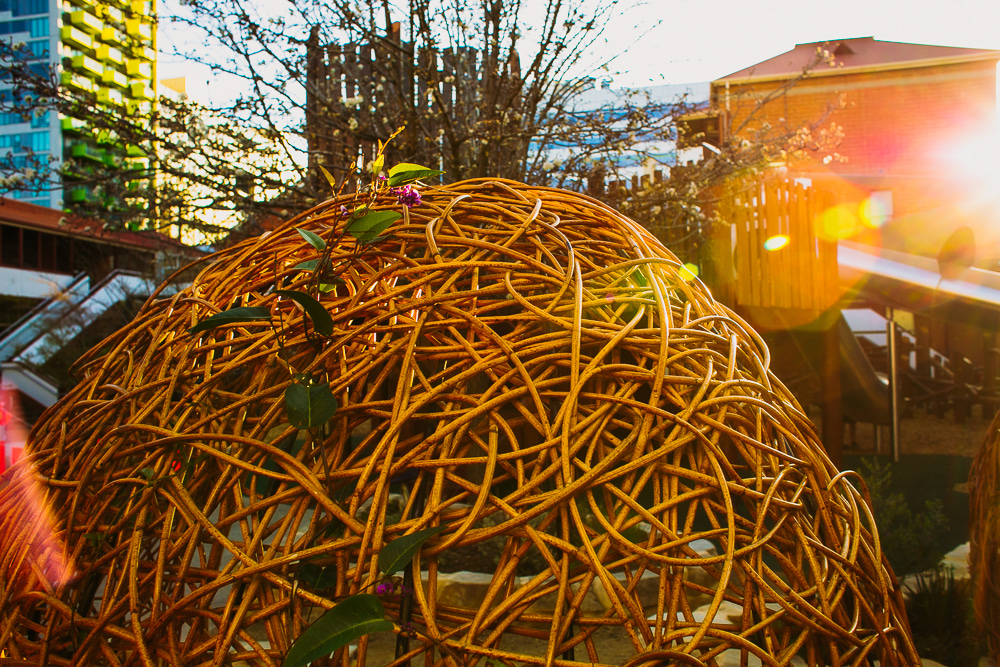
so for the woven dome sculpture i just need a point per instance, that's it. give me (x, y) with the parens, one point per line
(984, 535)
(521, 366)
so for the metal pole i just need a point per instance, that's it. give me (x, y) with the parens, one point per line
(893, 387)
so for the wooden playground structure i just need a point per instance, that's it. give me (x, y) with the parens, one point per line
(770, 260)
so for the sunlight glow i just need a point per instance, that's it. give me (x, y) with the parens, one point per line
(776, 242)
(688, 272)
(38, 522)
(876, 210)
(838, 222)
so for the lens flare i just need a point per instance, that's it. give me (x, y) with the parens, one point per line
(876, 210)
(776, 242)
(838, 222)
(688, 272)
(27, 523)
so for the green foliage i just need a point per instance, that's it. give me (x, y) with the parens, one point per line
(308, 265)
(408, 173)
(401, 550)
(309, 406)
(910, 540)
(314, 239)
(941, 619)
(322, 322)
(350, 619)
(291, 446)
(368, 228)
(232, 316)
(317, 577)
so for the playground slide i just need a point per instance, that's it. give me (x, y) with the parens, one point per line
(911, 283)
(865, 393)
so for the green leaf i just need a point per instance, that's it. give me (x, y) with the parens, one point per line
(639, 277)
(329, 177)
(396, 554)
(241, 314)
(313, 238)
(308, 265)
(321, 319)
(318, 578)
(405, 166)
(371, 225)
(309, 406)
(266, 485)
(409, 176)
(355, 617)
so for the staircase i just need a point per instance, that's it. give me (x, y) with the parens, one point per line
(34, 339)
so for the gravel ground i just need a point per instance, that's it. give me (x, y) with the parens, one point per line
(922, 433)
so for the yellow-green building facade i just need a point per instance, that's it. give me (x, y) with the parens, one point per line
(106, 51)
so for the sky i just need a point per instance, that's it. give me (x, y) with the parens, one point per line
(698, 40)
(689, 41)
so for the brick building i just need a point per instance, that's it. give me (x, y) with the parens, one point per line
(918, 126)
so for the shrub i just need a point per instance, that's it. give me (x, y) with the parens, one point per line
(941, 619)
(912, 541)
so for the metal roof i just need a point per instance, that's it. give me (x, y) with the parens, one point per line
(857, 54)
(32, 216)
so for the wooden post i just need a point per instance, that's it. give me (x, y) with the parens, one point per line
(833, 415)
(991, 366)
(892, 336)
(922, 324)
(963, 376)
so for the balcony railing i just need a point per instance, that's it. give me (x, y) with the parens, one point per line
(109, 54)
(110, 96)
(76, 37)
(76, 82)
(141, 91)
(138, 68)
(113, 77)
(86, 21)
(87, 152)
(87, 65)
(139, 28)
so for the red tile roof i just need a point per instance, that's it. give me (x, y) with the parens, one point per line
(858, 53)
(32, 216)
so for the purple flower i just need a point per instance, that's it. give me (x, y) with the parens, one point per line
(406, 195)
(385, 588)
(343, 211)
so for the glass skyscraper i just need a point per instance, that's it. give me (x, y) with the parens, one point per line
(106, 52)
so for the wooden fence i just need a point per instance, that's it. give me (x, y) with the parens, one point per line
(358, 93)
(733, 256)
(637, 197)
(800, 274)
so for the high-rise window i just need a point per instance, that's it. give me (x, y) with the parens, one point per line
(35, 27)
(35, 141)
(24, 7)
